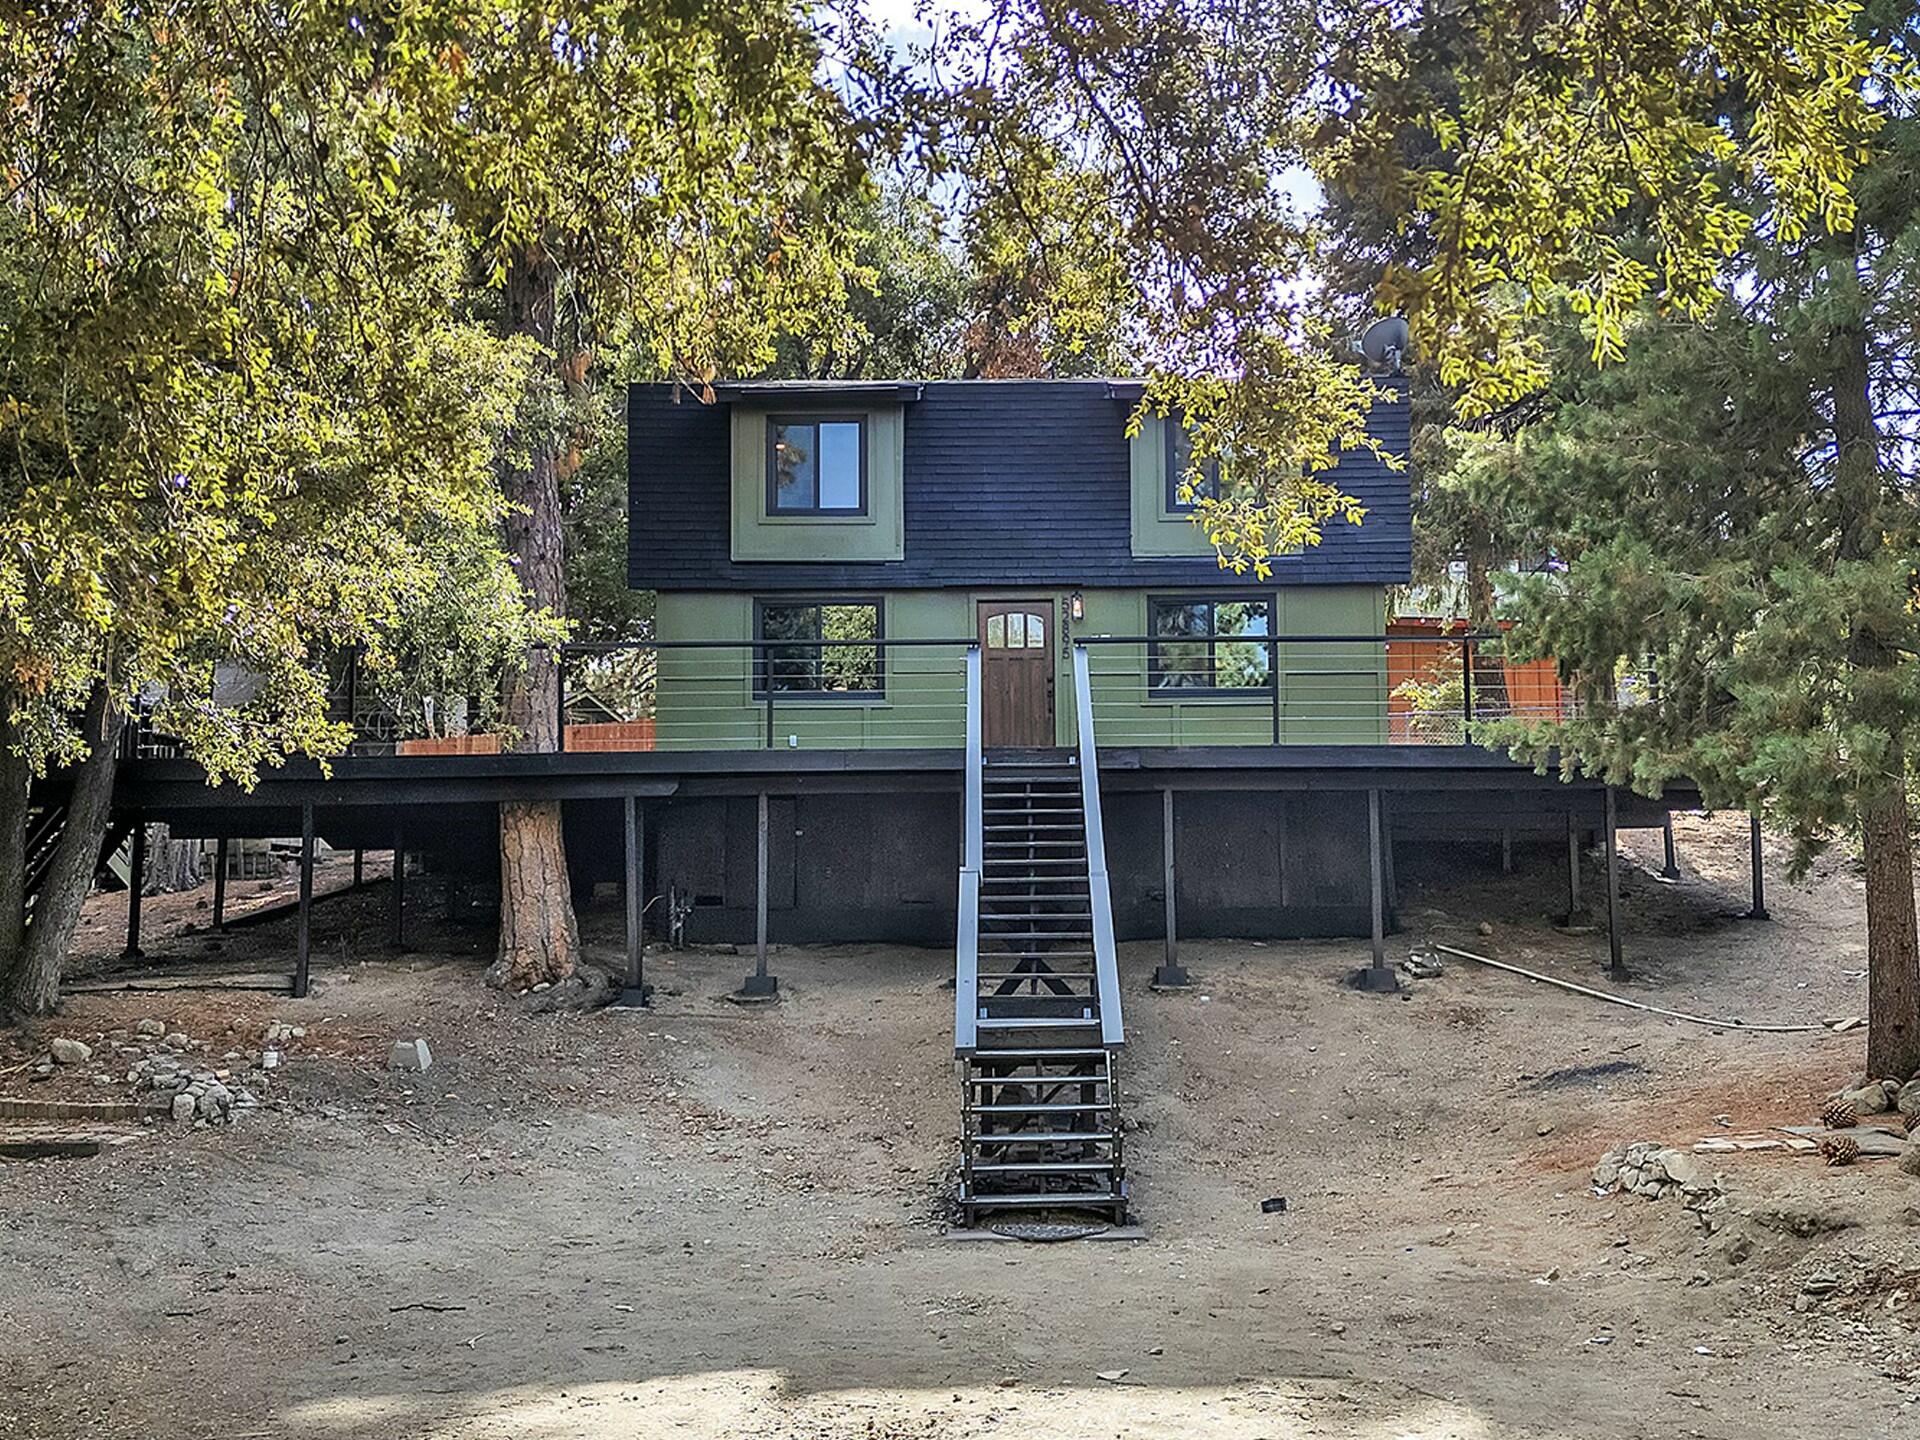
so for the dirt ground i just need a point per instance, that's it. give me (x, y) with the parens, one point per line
(710, 1221)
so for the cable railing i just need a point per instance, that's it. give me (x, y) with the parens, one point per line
(1218, 688)
(843, 694)
(1171, 690)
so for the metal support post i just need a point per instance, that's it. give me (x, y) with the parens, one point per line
(1757, 859)
(1670, 870)
(1377, 976)
(1615, 964)
(219, 884)
(760, 985)
(637, 992)
(136, 883)
(1170, 974)
(304, 943)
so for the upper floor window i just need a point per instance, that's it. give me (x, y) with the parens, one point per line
(816, 465)
(828, 649)
(1184, 489)
(1195, 644)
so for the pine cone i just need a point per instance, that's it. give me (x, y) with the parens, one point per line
(1839, 1115)
(1839, 1150)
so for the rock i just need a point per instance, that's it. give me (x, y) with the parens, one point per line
(1907, 1101)
(216, 1101)
(1802, 1222)
(1869, 1099)
(410, 1055)
(152, 1028)
(1910, 1159)
(1606, 1174)
(1486, 927)
(1821, 1282)
(1682, 1169)
(176, 1040)
(184, 1107)
(70, 1052)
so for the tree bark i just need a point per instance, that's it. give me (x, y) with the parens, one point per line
(539, 940)
(34, 986)
(15, 784)
(1893, 944)
(1886, 837)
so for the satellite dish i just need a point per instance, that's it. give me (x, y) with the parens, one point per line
(1385, 342)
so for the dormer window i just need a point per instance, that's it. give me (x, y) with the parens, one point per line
(1203, 486)
(816, 465)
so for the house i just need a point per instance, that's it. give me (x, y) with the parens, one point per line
(949, 663)
(827, 551)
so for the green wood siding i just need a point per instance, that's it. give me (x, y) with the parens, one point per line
(880, 534)
(1330, 694)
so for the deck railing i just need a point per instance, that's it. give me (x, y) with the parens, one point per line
(910, 693)
(1240, 689)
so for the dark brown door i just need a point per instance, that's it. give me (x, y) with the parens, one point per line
(1016, 672)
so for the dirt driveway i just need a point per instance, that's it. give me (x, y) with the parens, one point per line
(715, 1222)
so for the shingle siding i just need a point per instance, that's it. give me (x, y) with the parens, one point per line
(1006, 483)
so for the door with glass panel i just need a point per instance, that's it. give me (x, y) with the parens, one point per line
(1016, 672)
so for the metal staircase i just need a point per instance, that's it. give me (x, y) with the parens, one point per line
(1037, 1010)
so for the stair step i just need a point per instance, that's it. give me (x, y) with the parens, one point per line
(1041, 976)
(1036, 1022)
(1078, 1200)
(1030, 937)
(1044, 1107)
(1043, 1137)
(1058, 1052)
(1080, 844)
(1016, 862)
(1039, 955)
(1045, 1167)
(1048, 825)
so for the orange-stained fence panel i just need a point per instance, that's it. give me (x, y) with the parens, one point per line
(1533, 687)
(614, 735)
(619, 735)
(451, 745)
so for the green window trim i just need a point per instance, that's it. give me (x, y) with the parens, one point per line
(1188, 655)
(780, 425)
(1179, 453)
(803, 670)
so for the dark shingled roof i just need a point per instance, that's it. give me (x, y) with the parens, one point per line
(1008, 482)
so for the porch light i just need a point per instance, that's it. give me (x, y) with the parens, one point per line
(1077, 606)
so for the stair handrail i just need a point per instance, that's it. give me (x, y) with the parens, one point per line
(1106, 960)
(966, 968)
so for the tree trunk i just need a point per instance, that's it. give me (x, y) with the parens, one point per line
(34, 986)
(1893, 952)
(1893, 945)
(539, 941)
(172, 865)
(15, 782)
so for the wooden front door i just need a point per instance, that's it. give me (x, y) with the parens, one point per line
(1016, 672)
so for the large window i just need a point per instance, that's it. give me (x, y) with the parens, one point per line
(1184, 491)
(811, 663)
(816, 466)
(1193, 646)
